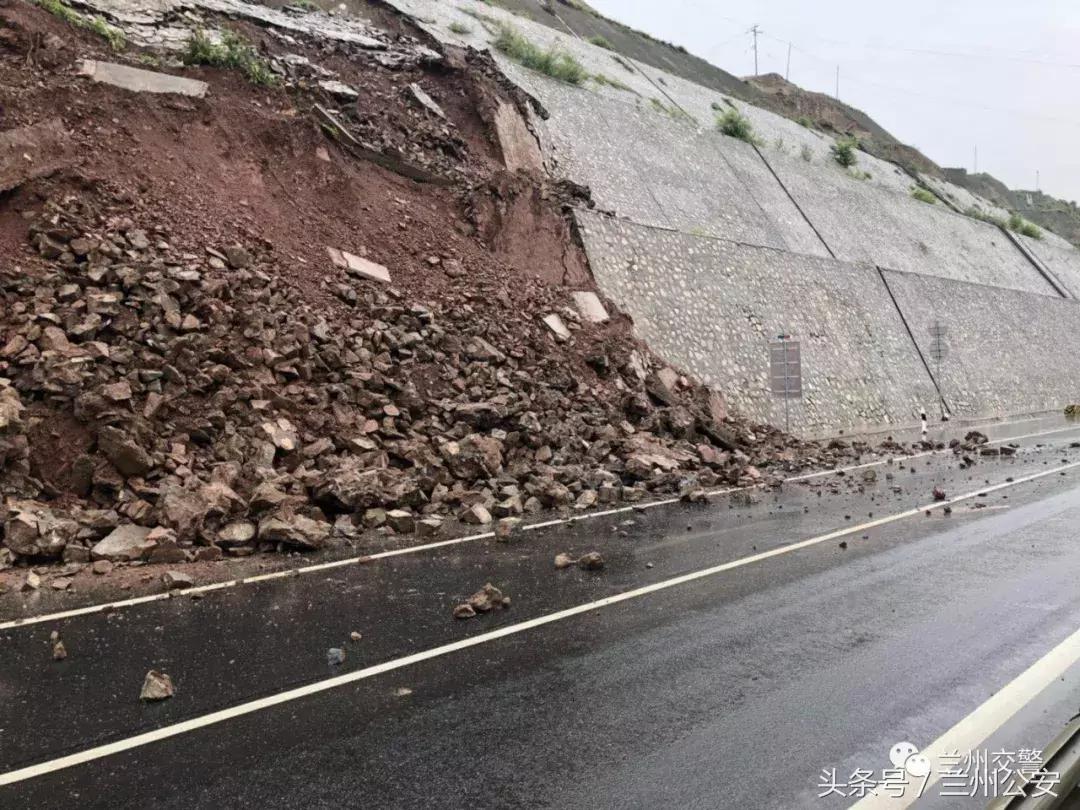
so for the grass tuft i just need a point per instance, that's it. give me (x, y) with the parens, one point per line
(114, 36)
(843, 152)
(232, 52)
(600, 78)
(460, 28)
(674, 111)
(601, 41)
(1022, 226)
(553, 63)
(922, 195)
(978, 213)
(736, 125)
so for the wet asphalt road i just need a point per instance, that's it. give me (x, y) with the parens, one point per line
(734, 690)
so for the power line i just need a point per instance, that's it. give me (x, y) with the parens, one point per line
(1002, 55)
(942, 99)
(952, 54)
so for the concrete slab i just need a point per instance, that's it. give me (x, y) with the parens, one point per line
(519, 147)
(796, 233)
(33, 151)
(710, 306)
(649, 167)
(589, 305)
(581, 145)
(775, 132)
(358, 266)
(140, 81)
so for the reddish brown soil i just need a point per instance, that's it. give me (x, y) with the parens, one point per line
(243, 161)
(242, 164)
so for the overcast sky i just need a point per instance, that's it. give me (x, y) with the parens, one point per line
(941, 75)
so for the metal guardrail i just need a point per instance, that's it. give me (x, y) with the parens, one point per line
(1062, 756)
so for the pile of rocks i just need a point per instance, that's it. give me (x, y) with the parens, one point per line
(14, 448)
(202, 406)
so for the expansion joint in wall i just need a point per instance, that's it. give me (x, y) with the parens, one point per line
(794, 202)
(945, 409)
(1043, 270)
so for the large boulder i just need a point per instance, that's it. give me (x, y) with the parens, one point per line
(123, 452)
(294, 530)
(34, 530)
(124, 543)
(11, 409)
(474, 457)
(182, 511)
(14, 450)
(350, 489)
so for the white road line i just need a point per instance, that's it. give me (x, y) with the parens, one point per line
(366, 558)
(326, 566)
(139, 740)
(970, 732)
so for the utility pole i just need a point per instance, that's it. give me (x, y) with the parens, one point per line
(1036, 179)
(837, 97)
(976, 165)
(755, 29)
(787, 73)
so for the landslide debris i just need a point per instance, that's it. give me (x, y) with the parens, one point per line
(182, 382)
(200, 403)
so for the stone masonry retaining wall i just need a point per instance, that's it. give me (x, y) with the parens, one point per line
(1009, 351)
(712, 306)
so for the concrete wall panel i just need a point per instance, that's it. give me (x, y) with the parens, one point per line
(1059, 256)
(963, 199)
(653, 169)
(865, 223)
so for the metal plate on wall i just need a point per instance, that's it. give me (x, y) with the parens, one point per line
(785, 368)
(939, 347)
